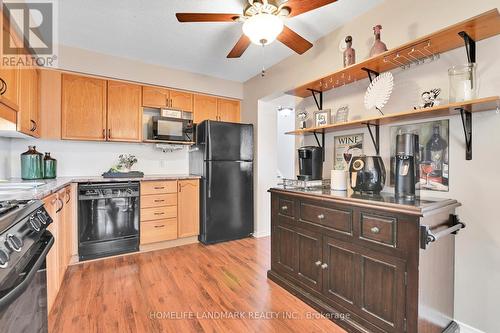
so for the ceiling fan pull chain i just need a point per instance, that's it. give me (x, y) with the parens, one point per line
(263, 73)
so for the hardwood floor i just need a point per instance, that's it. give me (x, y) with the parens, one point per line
(183, 289)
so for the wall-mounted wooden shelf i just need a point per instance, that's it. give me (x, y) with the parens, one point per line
(475, 105)
(479, 27)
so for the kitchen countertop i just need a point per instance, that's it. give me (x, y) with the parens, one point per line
(387, 201)
(50, 186)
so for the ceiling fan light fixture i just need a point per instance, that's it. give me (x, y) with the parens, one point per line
(263, 29)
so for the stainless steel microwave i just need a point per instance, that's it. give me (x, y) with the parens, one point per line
(172, 129)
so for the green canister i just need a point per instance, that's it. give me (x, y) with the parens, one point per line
(49, 167)
(31, 164)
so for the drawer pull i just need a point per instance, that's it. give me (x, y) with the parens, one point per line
(321, 216)
(159, 187)
(159, 213)
(159, 226)
(318, 263)
(324, 266)
(284, 208)
(158, 200)
(375, 230)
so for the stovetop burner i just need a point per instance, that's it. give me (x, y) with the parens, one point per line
(6, 206)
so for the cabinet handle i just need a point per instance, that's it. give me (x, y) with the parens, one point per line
(3, 87)
(324, 266)
(109, 133)
(180, 188)
(68, 195)
(104, 133)
(159, 187)
(161, 213)
(284, 208)
(321, 216)
(375, 230)
(159, 226)
(318, 263)
(157, 200)
(33, 125)
(62, 205)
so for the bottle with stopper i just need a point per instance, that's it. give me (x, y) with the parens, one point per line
(378, 46)
(349, 53)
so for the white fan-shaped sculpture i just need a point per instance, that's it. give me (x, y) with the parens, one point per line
(379, 91)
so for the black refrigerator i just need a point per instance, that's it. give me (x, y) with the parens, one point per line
(223, 157)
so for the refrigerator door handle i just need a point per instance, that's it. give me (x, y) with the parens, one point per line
(209, 179)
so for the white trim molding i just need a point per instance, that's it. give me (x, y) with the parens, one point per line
(464, 328)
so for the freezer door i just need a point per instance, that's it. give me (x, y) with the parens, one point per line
(227, 201)
(228, 141)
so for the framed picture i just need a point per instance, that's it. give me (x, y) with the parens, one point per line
(322, 118)
(342, 114)
(433, 137)
(345, 147)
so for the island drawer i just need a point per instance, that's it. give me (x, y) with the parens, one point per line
(158, 213)
(286, 207)
(378, 229)
(158, 200)
(158, 187)
(336, 218)
(158, 231)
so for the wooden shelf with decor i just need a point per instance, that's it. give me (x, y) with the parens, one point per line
(477, 28)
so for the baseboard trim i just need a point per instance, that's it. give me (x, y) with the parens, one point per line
(262, 234)
(464, 328)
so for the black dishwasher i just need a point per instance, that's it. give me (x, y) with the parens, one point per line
(108, 219)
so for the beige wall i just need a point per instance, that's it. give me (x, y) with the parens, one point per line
(478, 247)
(84, 61)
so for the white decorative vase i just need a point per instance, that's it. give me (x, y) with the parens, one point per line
(338, 180)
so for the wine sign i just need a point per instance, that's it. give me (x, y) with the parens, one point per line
(345, 147)
(433, 149)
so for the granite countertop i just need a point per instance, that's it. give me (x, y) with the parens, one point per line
(45, 187)
(388, 201)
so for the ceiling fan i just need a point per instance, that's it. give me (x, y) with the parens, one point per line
(263, 23)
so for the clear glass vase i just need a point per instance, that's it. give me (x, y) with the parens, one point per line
(463, 83)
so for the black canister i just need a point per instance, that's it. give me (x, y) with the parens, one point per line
(49, 167)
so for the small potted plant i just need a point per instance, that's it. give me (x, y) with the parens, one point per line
(125, 162)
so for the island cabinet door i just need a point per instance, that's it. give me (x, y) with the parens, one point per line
(284, 251)
(382, 290)
(308, 258)
(340, 267)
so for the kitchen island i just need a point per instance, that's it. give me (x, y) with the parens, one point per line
(369, 263)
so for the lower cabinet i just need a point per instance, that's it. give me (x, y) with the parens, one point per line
(188, 199)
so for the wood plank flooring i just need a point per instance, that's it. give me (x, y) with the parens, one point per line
(191, 288)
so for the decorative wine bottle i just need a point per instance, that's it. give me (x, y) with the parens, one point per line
(435, 150)
(349, 53)
(378, 46)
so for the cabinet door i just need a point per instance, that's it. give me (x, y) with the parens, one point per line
(180, 100)
(83, 108)
(10, 75)
(188, 205)
(28, 117)
(52, 259)
(308, 258)
(155, 97)
(62, 233)
(124, 112)
(50, 104)
(205, 108)
(382, 290)
(339, 276)
(228, 110)
(283, 243)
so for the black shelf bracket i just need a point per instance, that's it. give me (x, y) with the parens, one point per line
(370, 72)
(322, 143)
(470, 46)
(467, 124)
(376, 137)
(319, 103)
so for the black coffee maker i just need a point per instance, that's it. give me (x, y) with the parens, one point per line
(310, 163)
(407, 166)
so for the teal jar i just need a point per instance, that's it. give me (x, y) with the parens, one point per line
(31, 164)
(49, 167)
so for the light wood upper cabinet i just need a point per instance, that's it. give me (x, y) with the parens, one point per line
(124, 112)
(50, 104)
(188, 208)
(28, 118)
(205, 108)
(180, 100)
(83, 108)
(10, 76)
(228, 110)
(155, 97)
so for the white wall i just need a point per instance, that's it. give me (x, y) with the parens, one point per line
(76, 158)
(285, 144)
(474, 183)
(4, 158)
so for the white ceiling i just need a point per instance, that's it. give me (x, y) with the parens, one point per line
(147, 30)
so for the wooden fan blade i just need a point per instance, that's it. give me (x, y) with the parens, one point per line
(298, 7)
(240, 47)
(294, 41)
(206, 17)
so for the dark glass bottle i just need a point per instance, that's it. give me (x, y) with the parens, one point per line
(435, 149)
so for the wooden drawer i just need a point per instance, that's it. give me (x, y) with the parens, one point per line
(378, 229)
(286, 207)
(158, 213)
(158, 187)
(158, 231)
(330, 217)
(148, 201)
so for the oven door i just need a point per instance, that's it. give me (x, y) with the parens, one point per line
(23, 303)
(172, 129)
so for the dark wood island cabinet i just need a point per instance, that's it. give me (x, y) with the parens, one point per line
(369, 263)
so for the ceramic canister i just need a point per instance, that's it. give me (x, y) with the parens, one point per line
(338, 180)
